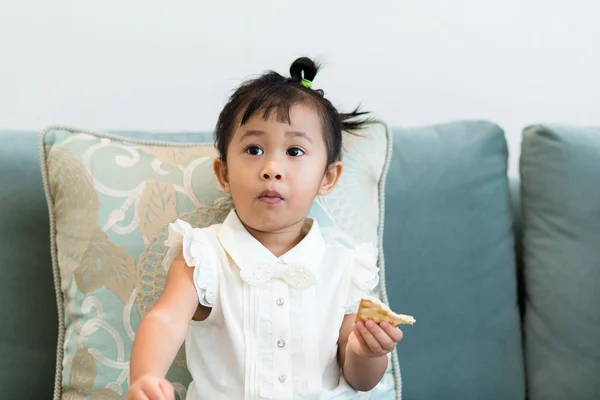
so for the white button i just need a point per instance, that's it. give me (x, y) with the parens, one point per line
(281, 343)
(279, 301)
(282, 378)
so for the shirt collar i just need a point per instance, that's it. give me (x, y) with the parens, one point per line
(245, 250)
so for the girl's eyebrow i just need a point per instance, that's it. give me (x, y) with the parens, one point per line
(253, 132)
(250, 133)
(299, 134)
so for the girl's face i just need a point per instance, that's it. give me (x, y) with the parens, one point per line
(275, 170)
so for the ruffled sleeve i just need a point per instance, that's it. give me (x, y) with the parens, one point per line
(199, 253)
(364, 275)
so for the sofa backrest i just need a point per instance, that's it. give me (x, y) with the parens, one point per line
(450, 261)
(457, 170)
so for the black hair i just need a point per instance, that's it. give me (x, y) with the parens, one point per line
(271, 92)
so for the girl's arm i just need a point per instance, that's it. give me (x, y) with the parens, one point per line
(163, 329)
(363, 349)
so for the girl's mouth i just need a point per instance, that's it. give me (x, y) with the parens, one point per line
(270, 197)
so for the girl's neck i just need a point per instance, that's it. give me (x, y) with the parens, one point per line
(283, 240)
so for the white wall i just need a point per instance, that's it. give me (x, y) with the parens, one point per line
(158, 65)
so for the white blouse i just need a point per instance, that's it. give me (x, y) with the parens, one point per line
(273, 329)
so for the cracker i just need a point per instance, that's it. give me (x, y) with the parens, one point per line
(372, 309)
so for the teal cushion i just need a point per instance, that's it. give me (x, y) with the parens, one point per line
(28, 318)
(448, 245)
(560, 172)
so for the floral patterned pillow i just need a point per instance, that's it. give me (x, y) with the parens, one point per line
(111, 199)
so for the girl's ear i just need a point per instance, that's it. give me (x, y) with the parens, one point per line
(220, 169)
(331, 178)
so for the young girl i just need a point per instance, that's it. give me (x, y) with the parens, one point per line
(265, 305)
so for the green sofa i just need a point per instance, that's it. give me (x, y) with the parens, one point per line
(506, 290)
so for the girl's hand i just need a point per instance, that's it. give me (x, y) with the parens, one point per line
(369, 339)
(149, 387)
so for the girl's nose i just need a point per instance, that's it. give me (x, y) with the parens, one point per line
(271, 170)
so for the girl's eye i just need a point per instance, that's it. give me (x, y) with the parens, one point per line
(295, 152)
(254, 150)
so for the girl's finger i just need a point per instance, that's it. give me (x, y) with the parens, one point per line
(359, 337)
(393, 332)
(137, 395)
(385, 341)
(153, 391)
(167, 390)
(372, 342)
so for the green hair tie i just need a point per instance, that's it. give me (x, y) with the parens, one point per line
(306, 83)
